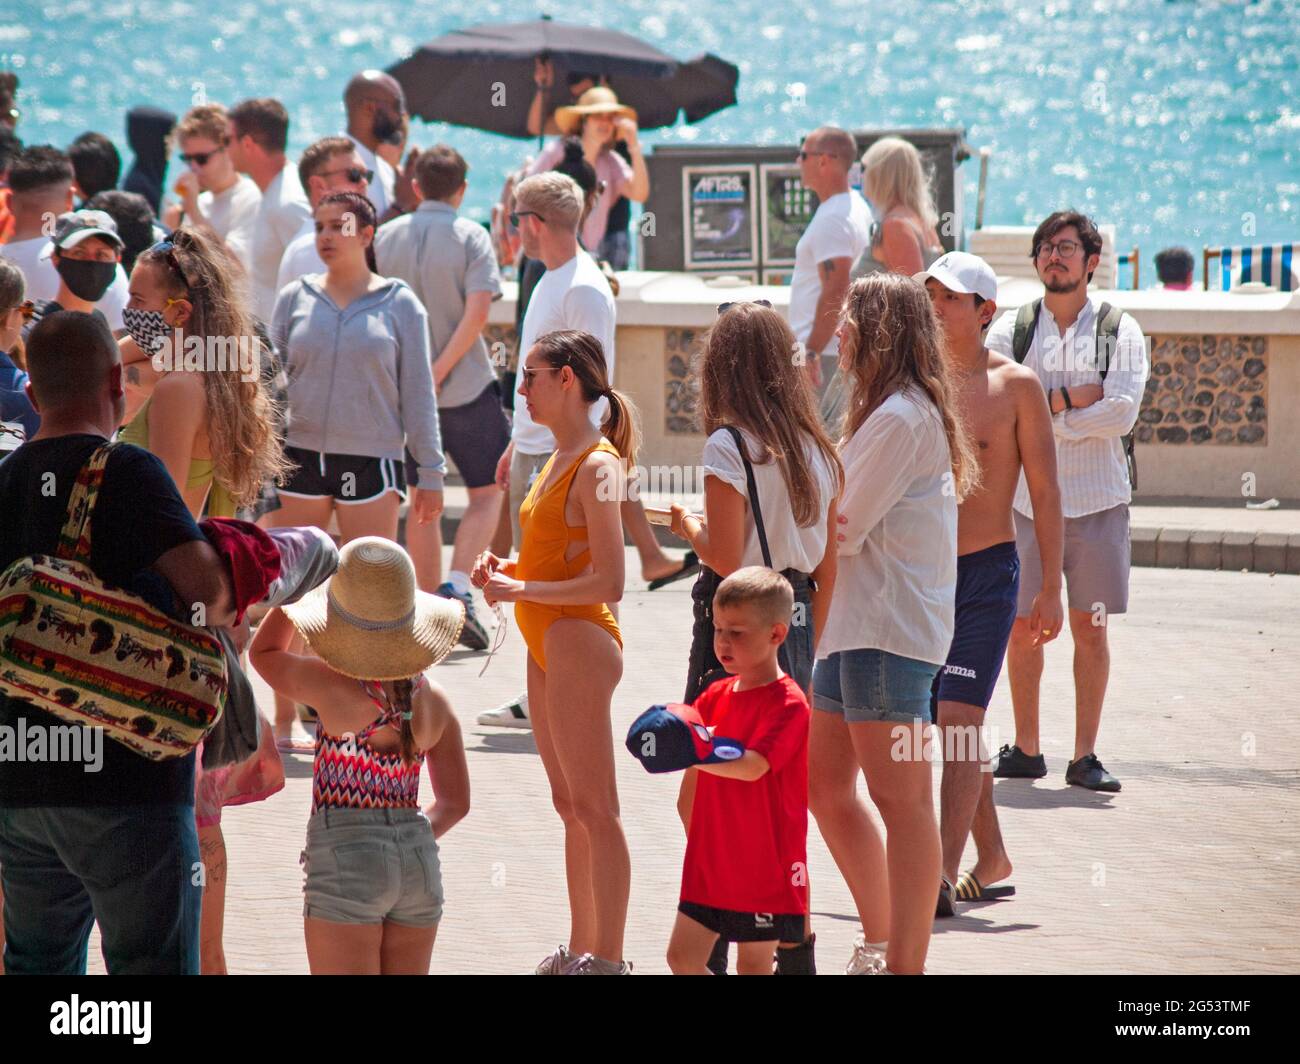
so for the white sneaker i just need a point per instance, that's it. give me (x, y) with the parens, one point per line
(866, 960)
(589, 964)
(514, 714)
(561, 962)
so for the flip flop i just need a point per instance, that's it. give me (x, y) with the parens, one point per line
(690, 566)
(946, 905)
(969, 888)
(292, 745)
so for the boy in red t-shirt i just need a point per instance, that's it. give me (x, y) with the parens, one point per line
(745, 873)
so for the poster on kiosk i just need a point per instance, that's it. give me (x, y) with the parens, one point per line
(720, 207)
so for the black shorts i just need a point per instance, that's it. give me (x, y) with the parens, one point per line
(987, 585)
(732, 926)
(474, 435)
(346, 478)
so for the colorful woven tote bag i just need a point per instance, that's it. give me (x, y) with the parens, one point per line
(99, 656)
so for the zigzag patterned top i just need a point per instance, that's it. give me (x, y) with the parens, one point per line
(348, 773)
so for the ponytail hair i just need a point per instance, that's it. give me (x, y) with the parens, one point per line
(402, 704)
(365, 214)
(583, 354)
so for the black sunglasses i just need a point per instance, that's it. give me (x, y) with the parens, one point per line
(516, 215)
(199, 157)
(167, 248)
(724, 307)
(354, 174)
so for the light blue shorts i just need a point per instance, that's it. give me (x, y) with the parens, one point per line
(874, 685)
(368, 866)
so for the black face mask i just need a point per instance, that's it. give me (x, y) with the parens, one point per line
(386, 130)
(85, 279)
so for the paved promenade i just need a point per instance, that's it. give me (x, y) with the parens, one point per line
(1192, 868)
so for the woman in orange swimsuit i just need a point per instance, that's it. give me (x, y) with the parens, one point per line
(570, 567)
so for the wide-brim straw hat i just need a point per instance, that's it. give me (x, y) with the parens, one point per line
(598, 100)
(370, 621)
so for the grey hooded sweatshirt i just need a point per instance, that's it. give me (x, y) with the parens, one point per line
(360, 379)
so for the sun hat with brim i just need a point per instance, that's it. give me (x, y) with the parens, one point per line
(597, 100)
(369, 620)
(72, 227)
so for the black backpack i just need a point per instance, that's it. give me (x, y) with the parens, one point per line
(1108, 319)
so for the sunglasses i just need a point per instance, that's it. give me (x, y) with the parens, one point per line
(199, 158)
(516, 215)
(355, 174)
(530, 374)
(167, 248)
(805, 154)
(724, 307)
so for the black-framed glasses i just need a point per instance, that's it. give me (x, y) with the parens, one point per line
(804, 154)
(516, 215)
(355, 174)
(1067, 249)
(724, 307)
(200, 158)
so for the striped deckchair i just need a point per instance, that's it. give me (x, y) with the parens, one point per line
(1269, 263)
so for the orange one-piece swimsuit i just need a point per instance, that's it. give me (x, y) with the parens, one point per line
(546, 539)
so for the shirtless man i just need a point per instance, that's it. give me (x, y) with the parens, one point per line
(1006, 414)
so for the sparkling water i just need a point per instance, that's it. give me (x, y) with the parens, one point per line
(1176, 121)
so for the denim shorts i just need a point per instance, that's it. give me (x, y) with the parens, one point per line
(368, 866)
(874, 685)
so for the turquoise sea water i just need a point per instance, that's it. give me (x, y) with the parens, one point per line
(1177, 121)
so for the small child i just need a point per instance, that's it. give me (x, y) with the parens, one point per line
(745, 873)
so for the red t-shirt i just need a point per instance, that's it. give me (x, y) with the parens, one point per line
(747, 847)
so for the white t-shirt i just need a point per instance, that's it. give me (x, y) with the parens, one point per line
(280, 216)
(381, 190)
(233, 215)
(897, 578)
(791, 547)
(574, 296)
(840, 229)
(300, 257)
(33, 257)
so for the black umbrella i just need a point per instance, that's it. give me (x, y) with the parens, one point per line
(482, 76)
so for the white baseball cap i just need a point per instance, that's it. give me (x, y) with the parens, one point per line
(963, 272)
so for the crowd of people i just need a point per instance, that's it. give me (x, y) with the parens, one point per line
(897, 489)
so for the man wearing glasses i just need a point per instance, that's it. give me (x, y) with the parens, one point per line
(834, 239)
(330, 165)
(1095, 396)
(213, 193)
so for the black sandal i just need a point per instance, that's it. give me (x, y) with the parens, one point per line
(690, 566)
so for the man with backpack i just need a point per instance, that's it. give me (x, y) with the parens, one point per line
(1092, 361)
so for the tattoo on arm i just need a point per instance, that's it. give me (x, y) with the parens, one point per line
(133, 374)
(827, 269)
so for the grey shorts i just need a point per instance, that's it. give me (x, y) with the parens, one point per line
(523, 468)
(369, 866)
(1096, 567)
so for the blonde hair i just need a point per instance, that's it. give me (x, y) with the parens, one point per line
(208, 120)
(891, 341)
(893, 175)
(583, 354)
(240, 413)
(756, 585)
(554, 196)
(749, 379)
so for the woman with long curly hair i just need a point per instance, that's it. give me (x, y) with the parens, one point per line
(907, 464)
(193, 358)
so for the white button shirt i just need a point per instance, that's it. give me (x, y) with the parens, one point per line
(1090, 462)
(897, 578)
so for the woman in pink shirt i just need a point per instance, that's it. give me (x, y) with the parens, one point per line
(601, 121)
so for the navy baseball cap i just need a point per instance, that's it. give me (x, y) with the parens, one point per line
(672, 737)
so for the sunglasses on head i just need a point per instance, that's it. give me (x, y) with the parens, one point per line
(168, 249)
(199, 158)
(724, 307)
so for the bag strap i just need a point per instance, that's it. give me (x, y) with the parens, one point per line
(753, 494)
(1108, 319)
(1026, 325)
(74, 539)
